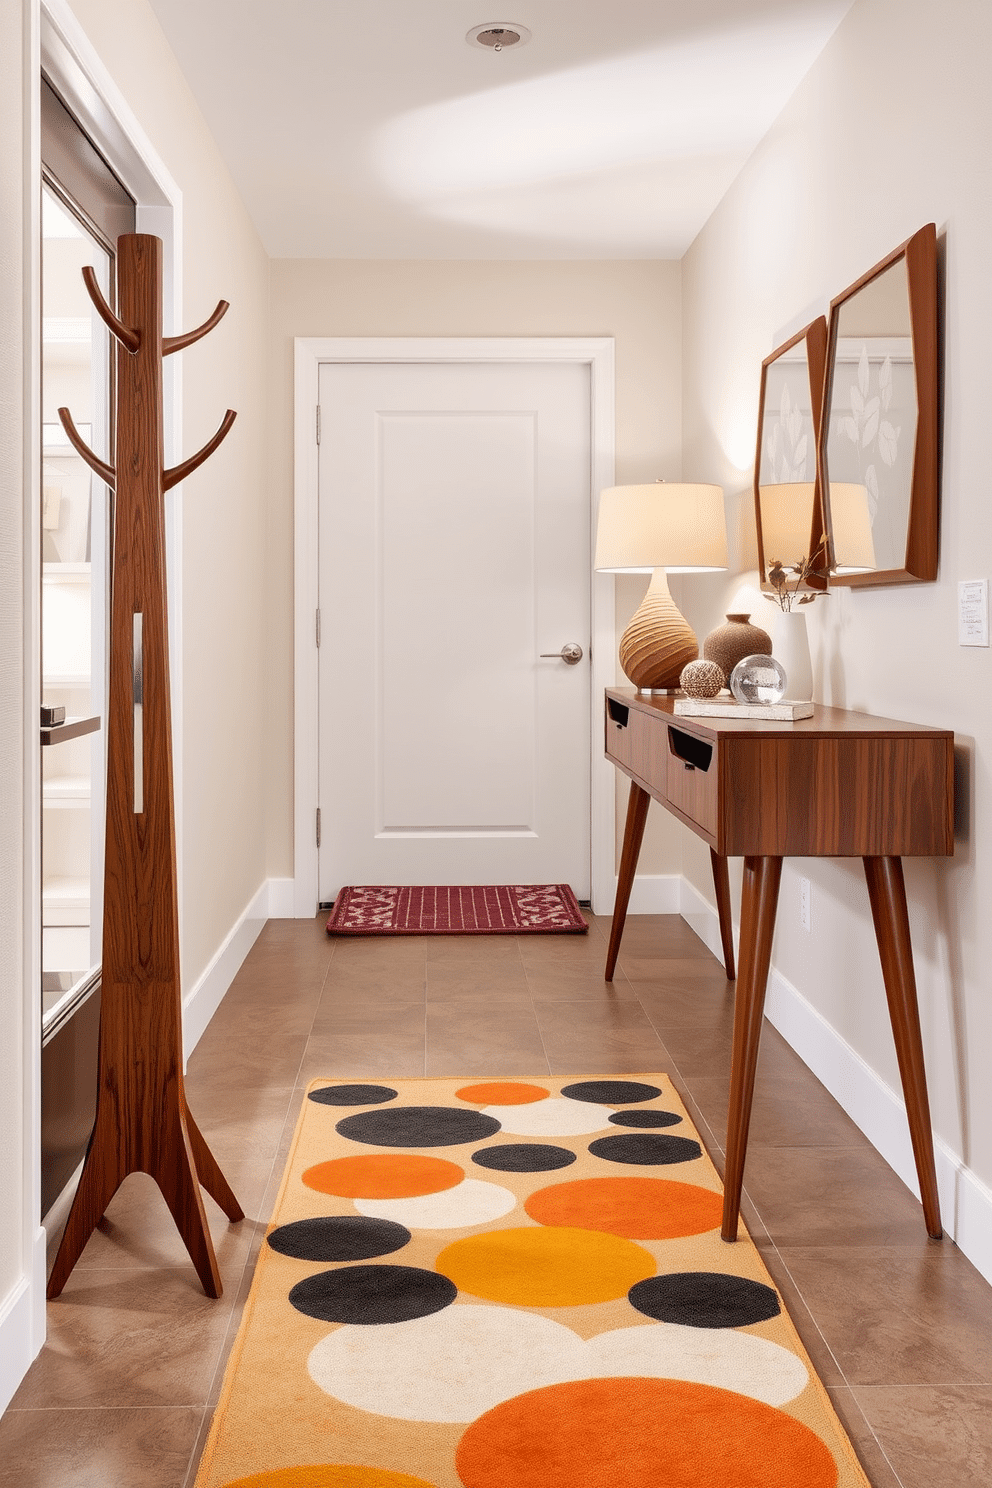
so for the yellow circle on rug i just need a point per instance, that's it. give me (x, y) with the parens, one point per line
(637, 1208)
(640, 1433)
(329, 1477)
(545, 1268)
(502, 1093)
(383, 1175)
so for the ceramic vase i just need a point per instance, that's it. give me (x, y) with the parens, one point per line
(730, 643)
(792, 650)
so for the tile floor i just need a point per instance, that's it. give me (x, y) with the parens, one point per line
(899, 1327)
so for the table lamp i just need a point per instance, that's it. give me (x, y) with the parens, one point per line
(853, 550)
(786, 520)
(650, 529)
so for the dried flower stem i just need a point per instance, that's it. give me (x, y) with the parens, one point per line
(803, 569)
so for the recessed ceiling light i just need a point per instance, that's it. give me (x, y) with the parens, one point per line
(498, 36)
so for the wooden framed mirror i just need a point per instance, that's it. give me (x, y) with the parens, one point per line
(878, 451)
(788, 511)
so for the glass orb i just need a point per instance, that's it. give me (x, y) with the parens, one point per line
(758, 679)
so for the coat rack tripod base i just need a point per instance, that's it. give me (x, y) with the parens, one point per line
(143, 1122)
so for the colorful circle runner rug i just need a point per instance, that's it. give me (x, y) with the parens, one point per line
(513, 1284)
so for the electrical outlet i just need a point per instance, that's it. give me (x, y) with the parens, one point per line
(805, 895)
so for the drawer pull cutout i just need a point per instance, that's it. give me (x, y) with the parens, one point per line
(619, 712)
(690, 750)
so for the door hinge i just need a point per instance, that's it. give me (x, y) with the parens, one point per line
(318, 423)
(318, 826)
(317, 628)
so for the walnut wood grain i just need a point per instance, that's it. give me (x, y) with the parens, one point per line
(142, 1121)
(637, 814)
(721, 885)
(887, 896)
(923, 527)
(838, 784)
(758, 904)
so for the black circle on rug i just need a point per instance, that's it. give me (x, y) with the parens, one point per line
(524, 1157)
(644, 1150)
(342, 1237)
(353, 1095)
(611, 1092)
(373, 1294)
(418, 1126)
(705, 1299)
(645, 1118)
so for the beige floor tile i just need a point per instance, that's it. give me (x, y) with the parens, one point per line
(99, 1448)
(897, 1326)
(937, 1434)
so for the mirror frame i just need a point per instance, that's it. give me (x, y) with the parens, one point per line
(815, 337)
(920, 255)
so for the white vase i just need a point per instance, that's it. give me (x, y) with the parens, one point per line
(791, 648)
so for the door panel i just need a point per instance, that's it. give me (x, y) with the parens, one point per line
(454, 549)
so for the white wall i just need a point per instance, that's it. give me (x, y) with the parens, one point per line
(890, 130)
(18, 1062)
(638, 303)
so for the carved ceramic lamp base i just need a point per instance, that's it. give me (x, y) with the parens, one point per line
(659, 641)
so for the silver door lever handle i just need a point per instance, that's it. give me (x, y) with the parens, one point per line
(570, 653)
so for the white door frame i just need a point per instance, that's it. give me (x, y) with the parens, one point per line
(594, 352)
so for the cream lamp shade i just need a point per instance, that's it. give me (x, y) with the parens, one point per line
(786, 520)
(850, 528)
(786, 515)
(648, 529)
(678, 527)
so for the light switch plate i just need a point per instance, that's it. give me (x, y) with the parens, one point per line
(973, 612)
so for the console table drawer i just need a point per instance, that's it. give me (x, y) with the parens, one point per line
(691, 781)
(634, 742)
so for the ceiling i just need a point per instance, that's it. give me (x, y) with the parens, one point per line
(374, 130)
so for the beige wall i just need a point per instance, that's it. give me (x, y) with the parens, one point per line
(636, 303)
(224, 587)
(888, 131)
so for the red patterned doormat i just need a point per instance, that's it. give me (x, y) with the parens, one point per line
(451, 909)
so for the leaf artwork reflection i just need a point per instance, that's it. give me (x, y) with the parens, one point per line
(866, 426)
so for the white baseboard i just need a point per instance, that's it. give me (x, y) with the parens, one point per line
(203, 1000)
(22, 1324)
(965, 1201)
(282, 893)
(652, 893)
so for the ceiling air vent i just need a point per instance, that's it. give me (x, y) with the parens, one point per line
(498, 36)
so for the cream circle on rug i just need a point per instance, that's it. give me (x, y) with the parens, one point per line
(480, 1356)
(552, 1118)
(470, 1203)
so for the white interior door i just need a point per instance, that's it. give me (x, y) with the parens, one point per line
(454, 549)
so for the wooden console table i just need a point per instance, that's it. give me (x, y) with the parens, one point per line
(839, 784)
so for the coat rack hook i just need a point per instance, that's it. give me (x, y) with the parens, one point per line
(178, 473)
(104, 471)
(176, 343)
(128, 338)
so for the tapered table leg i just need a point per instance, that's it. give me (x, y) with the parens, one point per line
(633, 833)
(887, 895)
(760, 900)
(721, 883)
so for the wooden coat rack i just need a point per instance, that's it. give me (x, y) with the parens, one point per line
(143, 1123)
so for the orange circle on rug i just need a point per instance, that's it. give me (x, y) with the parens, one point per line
(330, 1476)
(637, 1208)
(545, 1268)
(641, 1433)
(384, 1175)
(502, 1093)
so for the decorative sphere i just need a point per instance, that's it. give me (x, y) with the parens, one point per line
(758, 679)
(702, 679)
